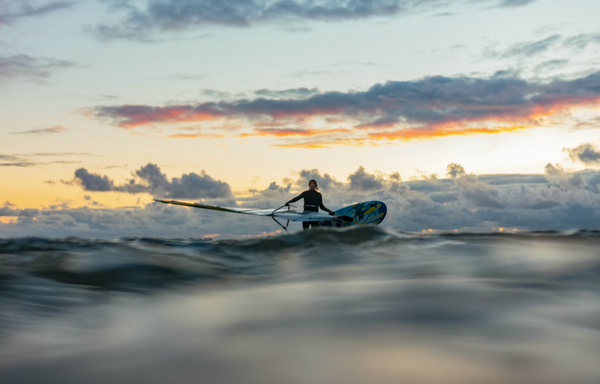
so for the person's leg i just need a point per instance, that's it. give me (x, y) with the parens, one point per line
(305, 225)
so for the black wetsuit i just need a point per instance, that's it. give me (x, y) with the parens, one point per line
(312, 202)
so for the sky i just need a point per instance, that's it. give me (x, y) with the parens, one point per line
(461, 115)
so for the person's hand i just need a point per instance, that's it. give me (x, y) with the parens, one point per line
(286, 204)
(331, 213)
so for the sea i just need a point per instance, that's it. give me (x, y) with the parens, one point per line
(361, 305)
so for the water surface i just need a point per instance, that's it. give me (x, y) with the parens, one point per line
(363, 305)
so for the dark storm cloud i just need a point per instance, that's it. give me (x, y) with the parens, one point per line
(34, 68)
(428, 107)
(14, 10)
(150, 179)
(143, 19)
(294, 93)
(586, 153)
(42, 131)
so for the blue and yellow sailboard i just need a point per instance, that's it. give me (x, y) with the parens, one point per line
(370, 212)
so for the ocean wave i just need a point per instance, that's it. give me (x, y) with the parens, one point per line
(490, 307)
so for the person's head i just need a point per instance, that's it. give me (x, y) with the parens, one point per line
(312, 184)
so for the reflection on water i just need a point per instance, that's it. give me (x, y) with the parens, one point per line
(328, 306)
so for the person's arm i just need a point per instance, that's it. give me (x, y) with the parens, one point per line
(323, 206)
(300, 196)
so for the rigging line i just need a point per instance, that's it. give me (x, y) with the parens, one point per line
(281, 225)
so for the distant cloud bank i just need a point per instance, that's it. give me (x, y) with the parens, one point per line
(555, 200)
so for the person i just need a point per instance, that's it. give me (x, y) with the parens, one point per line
(313, 200)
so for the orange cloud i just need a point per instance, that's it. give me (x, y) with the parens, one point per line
(284, 132)
(194, 136)
(342, 141)
(441, 131)
(166, 116)
(396, 110)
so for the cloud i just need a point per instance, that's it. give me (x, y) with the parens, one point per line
(467, 202)
(591, 123)
(187, 77)
(514, 3)
(42, 131)
(477, 193)
(363, 181)
(216, 94)
(582, 41)
(9, 210)
(8, 158)
(422, 175)
(24, 160)
(527, 49)
(35, 164)
(19, 164)
(323, 181)
(283, 132)
(94, 182)
(189, 186)
(144, 19)
(150, 179)
(16, 161)
(294, 93)
(586, 153)
(308, 72)
(14, 10)
(60, 154)
(455, 171)
(431, 107)
(569, 181)
(33, 68)
(551, 65)
(532, 48)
